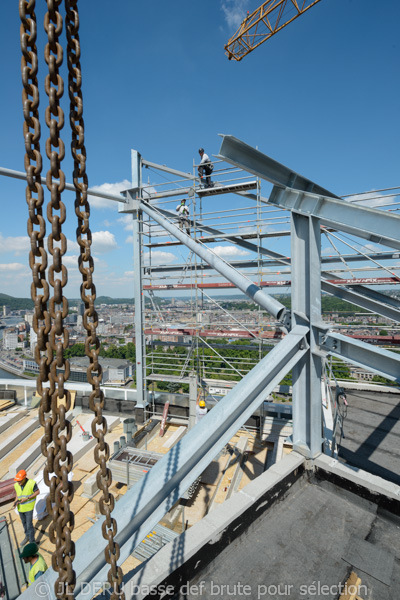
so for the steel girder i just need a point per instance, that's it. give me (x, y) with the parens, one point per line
(242, 155)
(251, 290)
(362, 221)
(383, 362)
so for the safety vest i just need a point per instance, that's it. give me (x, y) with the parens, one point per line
(38, 567)
(24, 493)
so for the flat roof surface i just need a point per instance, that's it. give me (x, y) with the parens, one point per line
(313, 538)
(372, 434)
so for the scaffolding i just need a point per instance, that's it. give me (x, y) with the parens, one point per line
(177, 341)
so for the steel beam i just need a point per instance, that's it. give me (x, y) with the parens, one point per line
(147, 163)
(68, 186)
(145, 504)
(246, 157)
(368, 223)
(247, 264)
(140, 360)
(361, 299)
(251, 290)
(383, 362)
(306, 310)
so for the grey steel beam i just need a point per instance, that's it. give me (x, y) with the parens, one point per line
(368, 223)
(383, 362)
(68, 186)
(306, 310)
(247, 264)
(251, 290)
(147, 163)
(375, 295)
(246, 157)
(140, 360)
(145, 503)
(362, 300)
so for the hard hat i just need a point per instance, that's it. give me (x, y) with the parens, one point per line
(29, 550)
(201, 150)
(202, 404)
(20, 476)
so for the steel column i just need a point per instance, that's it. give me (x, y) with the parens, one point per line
(138, 285)
(306, 310)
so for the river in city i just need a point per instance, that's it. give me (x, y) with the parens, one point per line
(6, 375)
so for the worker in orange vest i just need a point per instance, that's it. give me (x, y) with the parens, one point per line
(26, 491)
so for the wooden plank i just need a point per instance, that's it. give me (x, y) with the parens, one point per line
(351, 587)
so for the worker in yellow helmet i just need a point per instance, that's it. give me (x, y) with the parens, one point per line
(201, 409)
(30, 554)
(26, 491)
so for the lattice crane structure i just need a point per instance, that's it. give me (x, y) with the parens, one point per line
(263, 23)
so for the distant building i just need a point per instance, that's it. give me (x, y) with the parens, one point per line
(6, 310)
(115, 371)
(10, 339)
(28, 317)
(33, 340)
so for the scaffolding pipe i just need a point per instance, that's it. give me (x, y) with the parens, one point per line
(249, 288)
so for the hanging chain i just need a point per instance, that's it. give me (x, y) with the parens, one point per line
(34, 198)
(61, 489)
(88, 295)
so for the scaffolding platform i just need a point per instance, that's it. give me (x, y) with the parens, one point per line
(224, 236)
(227, 189)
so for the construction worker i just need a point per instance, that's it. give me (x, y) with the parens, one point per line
(201, 410)
(26, 491)
(183, 213)
(205, 167)
(30, 554)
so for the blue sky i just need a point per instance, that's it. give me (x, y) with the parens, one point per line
(322, 97)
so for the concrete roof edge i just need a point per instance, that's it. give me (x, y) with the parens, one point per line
(210, 529)
(374, 483)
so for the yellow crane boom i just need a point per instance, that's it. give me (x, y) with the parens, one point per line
(263, 23)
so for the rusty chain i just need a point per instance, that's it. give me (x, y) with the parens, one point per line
(60, 463)
(52, 336)
(34, 198)
(88, 295)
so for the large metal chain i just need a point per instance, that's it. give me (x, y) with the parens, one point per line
(61, 489)
(34, 198)
(88, 295)
(34, 189)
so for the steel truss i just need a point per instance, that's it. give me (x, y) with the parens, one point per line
(303, 350)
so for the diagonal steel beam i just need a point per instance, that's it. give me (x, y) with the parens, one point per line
(383, 362)
(362, 300)
(145, 503)
(246, 157)
(244, 284)
(361, 296)
(368, 223)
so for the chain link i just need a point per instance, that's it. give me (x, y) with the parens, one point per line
(60, 460)
(34, 198)
(88, 295)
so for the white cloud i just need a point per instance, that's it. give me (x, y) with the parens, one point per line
(18, 245)
(103, 242)
(234, 11)
(108, 188)
(12, 268)
(158, 257)
(230, 251)
(126, 221)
